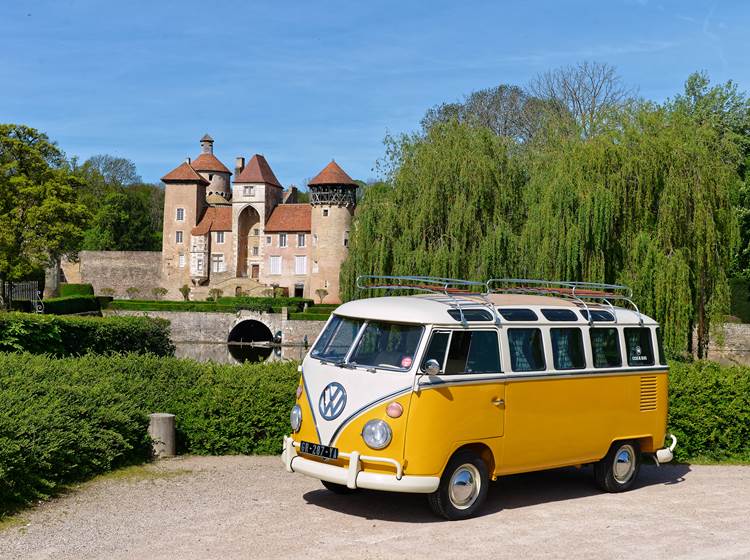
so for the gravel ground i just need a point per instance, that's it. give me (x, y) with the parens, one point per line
(249, 507)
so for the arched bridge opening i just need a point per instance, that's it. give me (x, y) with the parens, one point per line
(250, 330)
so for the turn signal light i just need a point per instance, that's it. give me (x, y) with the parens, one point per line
(299, 391)
(394, 410)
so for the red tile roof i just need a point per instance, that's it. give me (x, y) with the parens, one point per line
(257, 170)
(184, 173)
(209, 162)
(332, 175)
(290, 217)
(216, 218)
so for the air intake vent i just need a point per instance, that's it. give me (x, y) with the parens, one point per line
(648, 393)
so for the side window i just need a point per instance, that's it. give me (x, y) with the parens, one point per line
(436, 348)
(567, 348)
(660, 345)
(605, 347)
(526, 350)
(473, 352)
(640, 349)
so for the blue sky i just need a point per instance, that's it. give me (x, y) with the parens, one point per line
(305, 82)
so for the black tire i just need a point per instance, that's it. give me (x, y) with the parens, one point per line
(619, 468)
(338, 488)
(467, 466)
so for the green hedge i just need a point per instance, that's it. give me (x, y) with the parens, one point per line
(309, 316)
(709, 411)
(71, 336)
(71, 304)
(63, 420)
(67, 290)
(223, 305)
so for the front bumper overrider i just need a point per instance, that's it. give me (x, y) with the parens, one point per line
(353, 476)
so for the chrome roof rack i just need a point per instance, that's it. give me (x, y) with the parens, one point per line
(578, 292)
(450, 287)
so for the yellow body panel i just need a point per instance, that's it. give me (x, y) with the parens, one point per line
(543, 422)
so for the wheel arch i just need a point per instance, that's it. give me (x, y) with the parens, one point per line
(482, 450)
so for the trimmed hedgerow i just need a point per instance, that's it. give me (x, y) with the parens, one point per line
(72, 336)
(67, 290)
(71, 304)
(709, 411)
(63, 420)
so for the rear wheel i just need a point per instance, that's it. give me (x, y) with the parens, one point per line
(463, 487)
(337, 488)
(619, 468)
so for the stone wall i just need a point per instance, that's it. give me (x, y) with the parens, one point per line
(120, 270)
(736, 345)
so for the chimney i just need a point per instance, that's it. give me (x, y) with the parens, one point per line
(207, 144)
(239, 165)
(290, 195)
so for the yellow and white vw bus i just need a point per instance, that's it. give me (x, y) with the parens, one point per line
(443, 391)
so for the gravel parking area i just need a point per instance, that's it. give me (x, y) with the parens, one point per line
(249, 507)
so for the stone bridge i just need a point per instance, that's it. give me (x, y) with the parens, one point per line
(243, 326)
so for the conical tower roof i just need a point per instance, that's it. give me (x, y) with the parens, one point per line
(332, 174)
(257, 170)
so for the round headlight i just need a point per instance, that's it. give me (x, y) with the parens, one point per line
(377, 434)
(295, 418)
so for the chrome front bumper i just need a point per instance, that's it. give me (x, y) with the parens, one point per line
(353, 476)
(666, 454)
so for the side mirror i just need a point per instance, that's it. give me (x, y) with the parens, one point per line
(431, 367)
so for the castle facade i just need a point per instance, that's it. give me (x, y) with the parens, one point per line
(248, 235)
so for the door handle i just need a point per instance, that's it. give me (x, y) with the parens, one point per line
(498, 402)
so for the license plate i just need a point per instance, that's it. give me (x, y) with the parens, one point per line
(318, 450)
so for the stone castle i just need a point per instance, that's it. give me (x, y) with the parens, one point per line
(244, 235)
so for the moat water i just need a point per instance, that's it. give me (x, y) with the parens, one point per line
(238, 353)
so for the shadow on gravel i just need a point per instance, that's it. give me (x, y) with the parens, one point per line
(508, 492)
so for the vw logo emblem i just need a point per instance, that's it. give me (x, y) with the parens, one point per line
(332, 401)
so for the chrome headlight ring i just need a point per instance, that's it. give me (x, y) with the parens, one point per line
(377, 434)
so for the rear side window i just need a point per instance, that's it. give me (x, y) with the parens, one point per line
(639, 347)
(567, 348)
(660, 345)
(473, 352)
(526, 350)
(559, 315)
(471, 314)
(598, 315)
(605, 346)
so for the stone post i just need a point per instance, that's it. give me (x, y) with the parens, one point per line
(161, 428)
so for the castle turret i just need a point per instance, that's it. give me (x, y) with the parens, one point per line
(212, 170)
(333, 198)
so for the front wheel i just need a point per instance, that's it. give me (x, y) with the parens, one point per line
(619, 468)
(463, 487)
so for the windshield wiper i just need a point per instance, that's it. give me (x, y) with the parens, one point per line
(344, 364)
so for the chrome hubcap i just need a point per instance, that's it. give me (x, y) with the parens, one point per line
(624, 465)
(464, 486)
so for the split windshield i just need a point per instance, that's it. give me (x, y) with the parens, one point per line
(381, 344)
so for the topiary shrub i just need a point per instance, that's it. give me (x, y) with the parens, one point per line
(71, 304)
(159, 292)
(67, 290)
(185, 291)
(133, 292)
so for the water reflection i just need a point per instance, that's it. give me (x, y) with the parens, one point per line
(237, 353)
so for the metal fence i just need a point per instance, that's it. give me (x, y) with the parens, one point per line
(22, 292)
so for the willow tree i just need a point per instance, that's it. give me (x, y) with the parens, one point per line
(453, 208)
(647, 203)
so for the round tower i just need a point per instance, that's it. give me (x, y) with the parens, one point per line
(212, 170)
(333, 198)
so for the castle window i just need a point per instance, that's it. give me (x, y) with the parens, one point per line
(274, 265)
(325, 212)
(180, 215)
(282, 240)
(217, 262)
(199, 263)
(300, 240)
(268, 239)
(256, 231)
(325, 284)
(255, 251)
(300, 265)
(248, 190)
(219, 237)
(178, 237)
(181, 260)
(346, 239)
(315, 266)
(210, 176)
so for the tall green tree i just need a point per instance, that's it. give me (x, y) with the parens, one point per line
(123, 222)
(40, 215)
